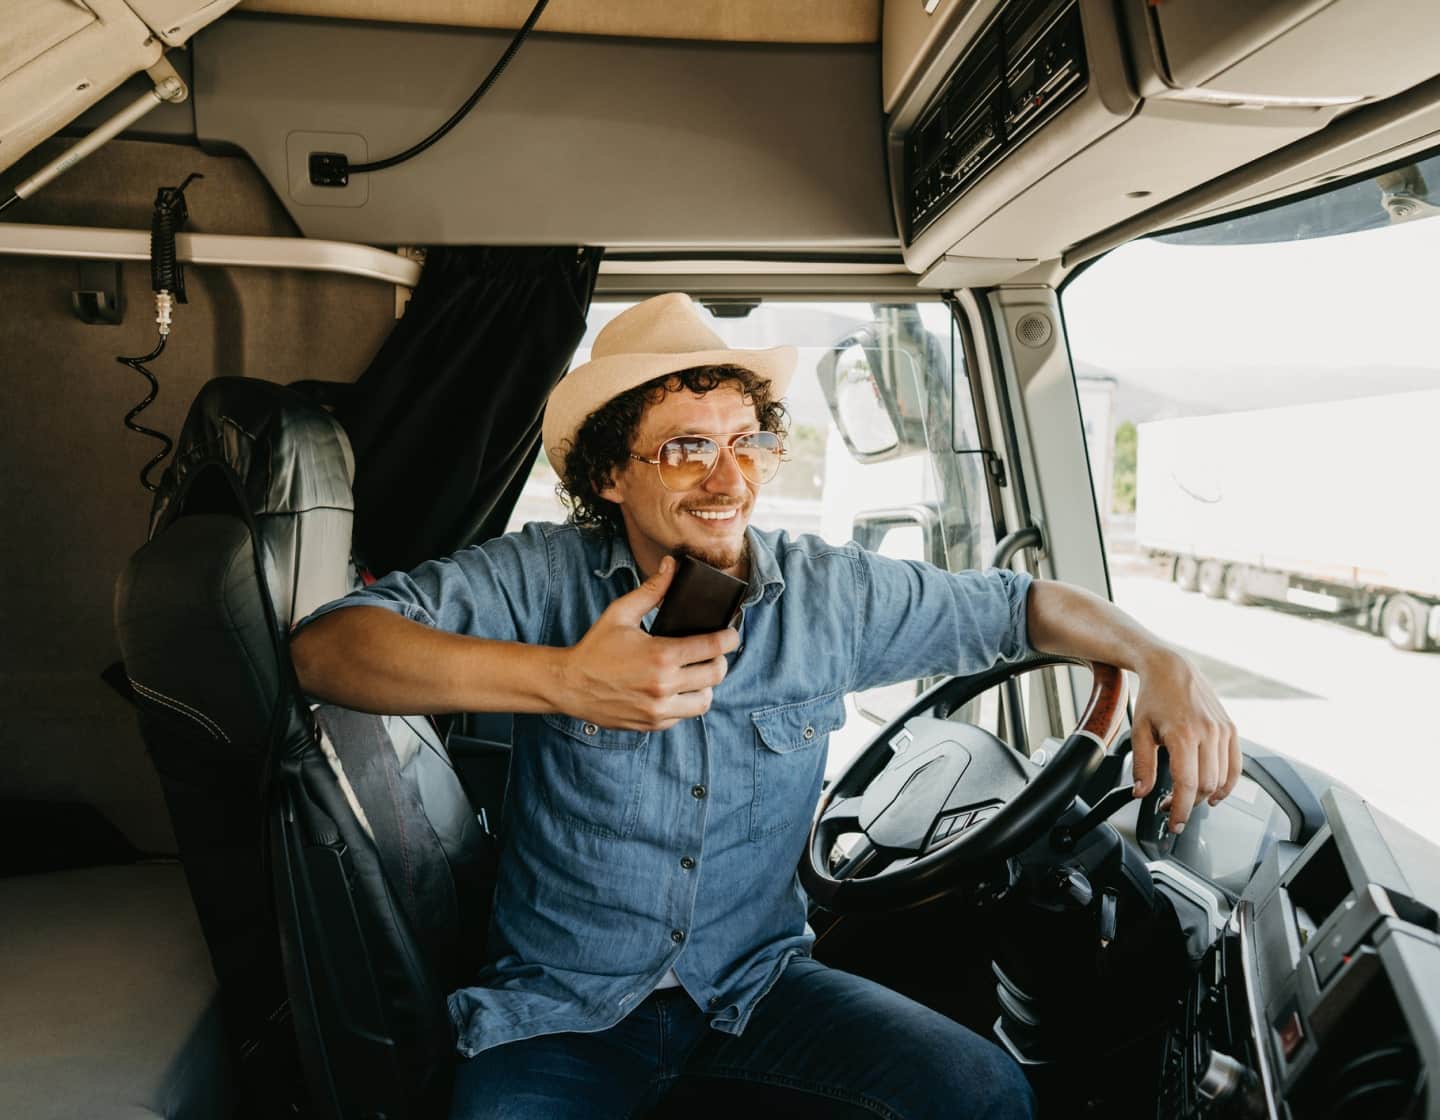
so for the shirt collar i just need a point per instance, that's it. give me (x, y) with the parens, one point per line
(765, 577)
(615, 554)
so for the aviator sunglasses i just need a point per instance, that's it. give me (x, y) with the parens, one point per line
(685, 462)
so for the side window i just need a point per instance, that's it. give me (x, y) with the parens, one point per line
(881, 426)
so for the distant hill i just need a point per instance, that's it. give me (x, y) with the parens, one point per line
(1166, 393)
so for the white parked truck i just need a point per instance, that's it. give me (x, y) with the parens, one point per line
(1330, 507)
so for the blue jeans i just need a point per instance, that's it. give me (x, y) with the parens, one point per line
(821, 1040)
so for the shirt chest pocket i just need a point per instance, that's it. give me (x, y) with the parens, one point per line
(790, 761)
(594, 776)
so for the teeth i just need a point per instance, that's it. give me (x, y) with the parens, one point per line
(713, 514)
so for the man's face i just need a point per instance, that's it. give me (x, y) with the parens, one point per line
(707, 522)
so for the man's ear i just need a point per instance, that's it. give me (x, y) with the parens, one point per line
(610, 492)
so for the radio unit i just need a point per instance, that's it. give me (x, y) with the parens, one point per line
(1024, 67)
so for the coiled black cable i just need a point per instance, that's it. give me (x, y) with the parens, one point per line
(138, 365)
(459, 114)
(167, 274)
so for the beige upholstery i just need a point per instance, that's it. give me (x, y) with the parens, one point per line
(753, 21)
(107, 999)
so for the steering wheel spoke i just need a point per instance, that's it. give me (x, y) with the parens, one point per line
(867, 858)
(842, 813)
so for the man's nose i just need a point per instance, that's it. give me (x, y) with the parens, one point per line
(726, 477)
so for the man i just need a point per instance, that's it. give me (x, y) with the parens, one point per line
(648, 921)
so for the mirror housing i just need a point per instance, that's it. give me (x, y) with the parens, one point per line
(880, 363)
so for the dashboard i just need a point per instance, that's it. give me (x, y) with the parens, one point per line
(1227, 842)
(1318, 994)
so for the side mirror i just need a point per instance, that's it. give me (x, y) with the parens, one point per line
(875, 395)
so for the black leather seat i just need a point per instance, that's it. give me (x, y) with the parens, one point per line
(333, 857)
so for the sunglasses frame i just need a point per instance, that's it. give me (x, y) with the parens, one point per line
(724, 443)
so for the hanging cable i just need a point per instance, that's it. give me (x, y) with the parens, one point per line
(459, 114)
(138, 365)
(167, 280)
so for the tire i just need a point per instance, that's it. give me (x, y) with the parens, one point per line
(1403, 623)
(1187, 573)
(1235, 577)
(1211, 579)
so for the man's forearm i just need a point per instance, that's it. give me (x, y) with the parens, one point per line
(1175, 708)
(1072, 621)
(373, 660)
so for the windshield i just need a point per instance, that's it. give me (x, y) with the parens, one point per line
(1264, 455)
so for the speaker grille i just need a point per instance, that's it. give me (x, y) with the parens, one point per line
(1034, 330)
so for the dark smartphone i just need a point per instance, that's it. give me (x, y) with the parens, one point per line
(701, 600)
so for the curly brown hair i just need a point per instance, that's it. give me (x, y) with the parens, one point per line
(603, 443)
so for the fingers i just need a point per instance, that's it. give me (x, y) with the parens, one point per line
(631, 608)
(1177, 709)
(1143, 746)
(703, 674)
(703, 647)
(1205, 764)
(1237, 765)
(663, 714)
(1184, 767)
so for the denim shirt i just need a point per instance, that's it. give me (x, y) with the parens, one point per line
(629, 853)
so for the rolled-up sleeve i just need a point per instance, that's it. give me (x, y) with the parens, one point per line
(917, 620)
(496, 590)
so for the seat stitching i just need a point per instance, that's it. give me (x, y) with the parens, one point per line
(181, 707)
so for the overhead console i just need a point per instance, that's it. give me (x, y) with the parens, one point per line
(1017, 128)
(1027, 65)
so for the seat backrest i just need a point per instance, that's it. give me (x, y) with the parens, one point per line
(250, 531)
(250, 525)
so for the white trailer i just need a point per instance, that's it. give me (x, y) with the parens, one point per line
(1329, 506)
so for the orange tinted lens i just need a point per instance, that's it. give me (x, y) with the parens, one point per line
(686, 461)
(758, 455)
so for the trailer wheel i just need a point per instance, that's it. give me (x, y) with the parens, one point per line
(1187, 573)
(1235, 579)
(1403, 623)
(1211, 579)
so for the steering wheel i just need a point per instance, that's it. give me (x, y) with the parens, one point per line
(941, 802)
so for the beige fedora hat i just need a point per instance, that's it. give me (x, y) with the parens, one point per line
(664, 334)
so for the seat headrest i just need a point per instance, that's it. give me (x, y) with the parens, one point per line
(288, 454)
(254, 446)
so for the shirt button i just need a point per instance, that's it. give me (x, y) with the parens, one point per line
(589, 729)
(809, 733)
(715, 1001)
(697, 792)
(686, 862)
(677, 935)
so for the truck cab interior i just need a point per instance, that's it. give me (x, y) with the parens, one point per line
(1052, 266)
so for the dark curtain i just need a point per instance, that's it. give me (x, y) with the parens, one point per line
(445, 422)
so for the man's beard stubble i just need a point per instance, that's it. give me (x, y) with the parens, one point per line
(720, 558)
